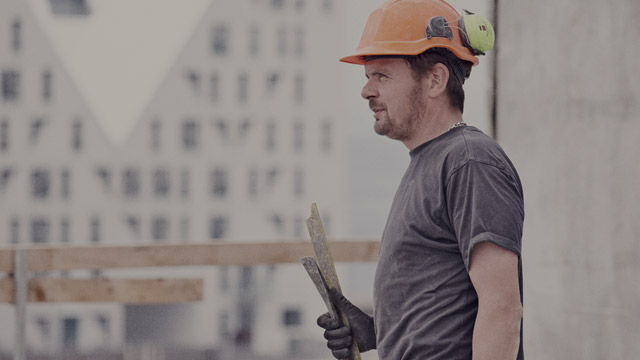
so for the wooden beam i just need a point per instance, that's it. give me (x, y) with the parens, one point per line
(127, 291)
(224, 253)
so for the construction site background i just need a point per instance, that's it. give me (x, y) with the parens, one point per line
(561, 95)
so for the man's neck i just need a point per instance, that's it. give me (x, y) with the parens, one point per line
(433, 124)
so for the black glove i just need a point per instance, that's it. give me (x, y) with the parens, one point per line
(339, 336)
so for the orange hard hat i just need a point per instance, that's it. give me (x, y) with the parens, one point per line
(402, 27)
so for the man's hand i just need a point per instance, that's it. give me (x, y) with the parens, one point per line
(339, 336)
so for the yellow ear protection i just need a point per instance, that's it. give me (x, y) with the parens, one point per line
(476, 32)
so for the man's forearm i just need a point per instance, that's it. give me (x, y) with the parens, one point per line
(496, 335)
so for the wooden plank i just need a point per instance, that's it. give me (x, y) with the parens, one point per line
(326, 266)
(311, 266)
(126, 291)
(41, 258)
(7, 291)
(6, 259)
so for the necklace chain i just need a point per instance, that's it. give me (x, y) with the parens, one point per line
(458, 124)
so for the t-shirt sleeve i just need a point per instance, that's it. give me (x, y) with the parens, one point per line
(485, 203)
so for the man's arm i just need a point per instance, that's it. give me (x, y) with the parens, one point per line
(494, 273)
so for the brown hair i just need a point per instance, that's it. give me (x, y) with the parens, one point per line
(459, 70)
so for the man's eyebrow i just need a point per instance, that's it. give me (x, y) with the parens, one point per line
(376, 73)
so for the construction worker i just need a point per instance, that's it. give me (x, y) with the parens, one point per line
(448, 282)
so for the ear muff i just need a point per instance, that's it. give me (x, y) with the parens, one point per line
(477, 33)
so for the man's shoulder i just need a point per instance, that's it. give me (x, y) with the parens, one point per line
(471, 144)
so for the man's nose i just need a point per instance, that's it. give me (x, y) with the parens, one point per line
(369, 91)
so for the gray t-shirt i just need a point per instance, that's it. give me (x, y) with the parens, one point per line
(460, 189)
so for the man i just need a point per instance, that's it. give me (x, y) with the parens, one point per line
(448, 284)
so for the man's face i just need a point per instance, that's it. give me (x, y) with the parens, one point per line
(395, 97)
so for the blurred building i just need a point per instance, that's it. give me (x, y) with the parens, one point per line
(234, 146)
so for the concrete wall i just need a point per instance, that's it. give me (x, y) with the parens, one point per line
(568, 89)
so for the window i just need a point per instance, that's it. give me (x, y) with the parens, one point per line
(76, 142)
(70, 7)
(299, 41)
(15, 231)
(254, 40)
(272, 176)
(246, 277)
(281, 41)
(10, 85)
(70, 332)
(184, 229)
(39, 230)
(325, 136)
(298, 136)
(190, 131)
(184, 184)
(44, 326)
(252, 182)
(223, 128)
(220, 40)
(295, 347)
(246, 314)
(40, 181)
(217, 227)
(105, 326)
(219, 182)
(104, 174)
(35, 130)
(16, 35)
(272, 81)
(277, 4)
(160, 228)
(155, 135)
(5, 176)
(161, 183)
(215, 87)
(298, 89)
(65, 182)
(243, 87)
(64, 230)
(134, 225)
(224, 327)
(298, 182)
(271, 136)
(224, 278)
(131, 183)
(4, 135)
(194, 80)
(291, 317)
(244, 127)
(46, 85)
(278, 222)
(95, 230)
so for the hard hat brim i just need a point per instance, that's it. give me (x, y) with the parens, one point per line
(406, 48)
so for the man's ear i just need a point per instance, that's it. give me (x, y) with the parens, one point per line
(436, 80)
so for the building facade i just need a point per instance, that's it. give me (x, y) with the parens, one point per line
(240, 138)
